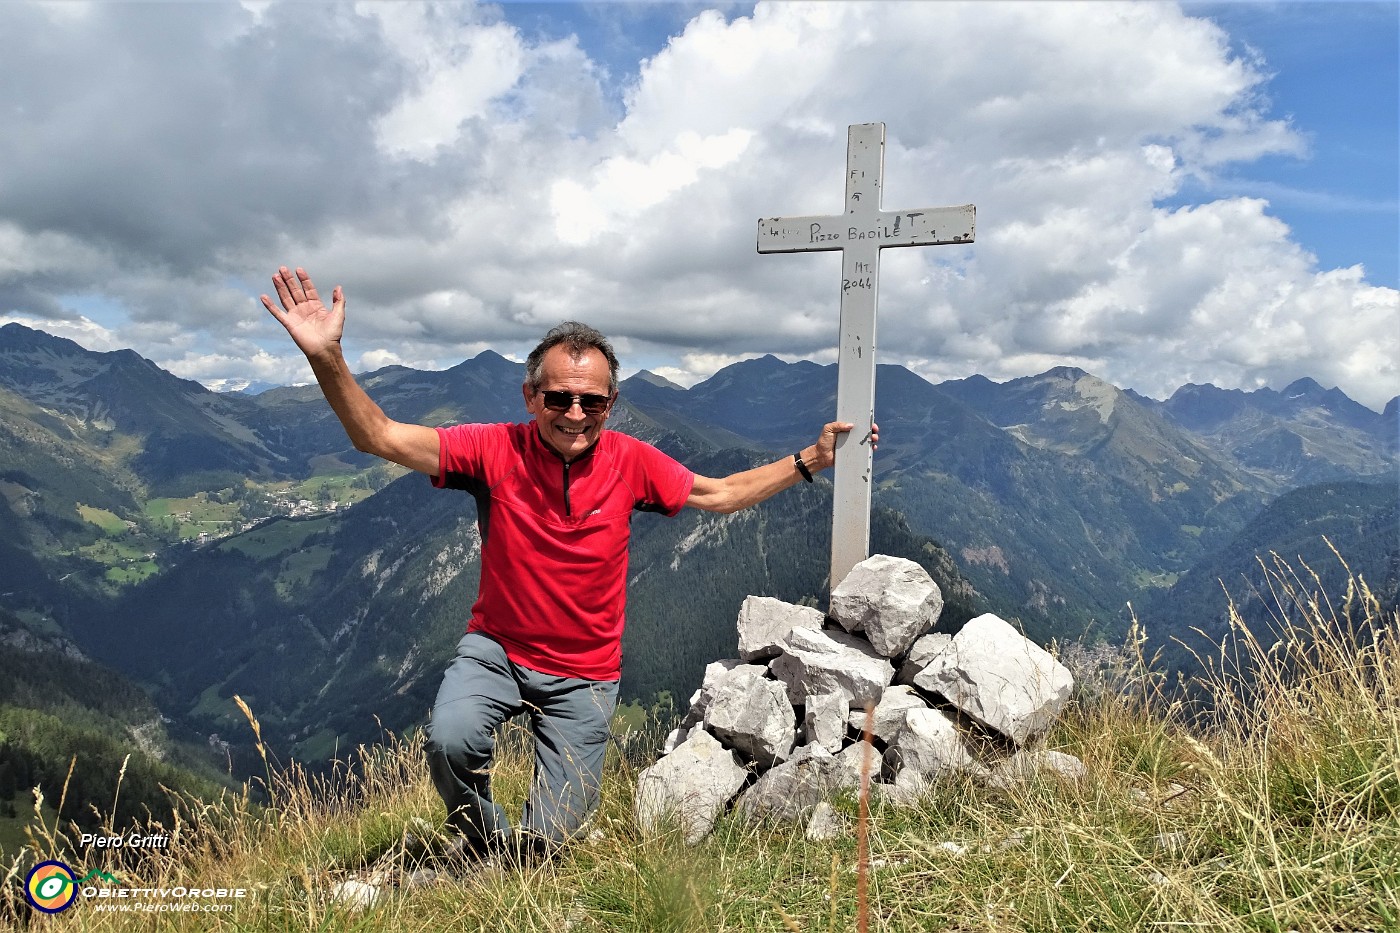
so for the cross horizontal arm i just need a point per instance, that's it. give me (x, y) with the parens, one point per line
(931, 226)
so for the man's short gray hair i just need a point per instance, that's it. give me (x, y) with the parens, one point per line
(579, 339)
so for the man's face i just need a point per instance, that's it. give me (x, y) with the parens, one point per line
(570, 433)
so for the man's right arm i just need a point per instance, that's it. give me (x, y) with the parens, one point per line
(316, 331)
(369, 429)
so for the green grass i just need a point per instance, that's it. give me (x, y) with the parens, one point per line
(344, 488)
(109, 522)
(631, 715)
(192, 516)
(330, 464)
(276, 537)
(125, 557)
(131, 573)
(210, 705)
(39, 623)
(1145, 579)
(635, 716)
(321, 745)
(299, 566)
(201, 510)
(12, 828)
(1280, 812)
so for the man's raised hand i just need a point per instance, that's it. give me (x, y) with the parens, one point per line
(314, 328)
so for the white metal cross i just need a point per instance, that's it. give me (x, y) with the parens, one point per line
(860, 233)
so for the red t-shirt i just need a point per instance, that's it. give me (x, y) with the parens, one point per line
(554, 538)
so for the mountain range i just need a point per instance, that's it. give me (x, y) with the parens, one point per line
(204, 544)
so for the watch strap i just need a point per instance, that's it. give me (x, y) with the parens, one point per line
(801, 467)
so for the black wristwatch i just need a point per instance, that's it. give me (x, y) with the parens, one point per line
(801, 467)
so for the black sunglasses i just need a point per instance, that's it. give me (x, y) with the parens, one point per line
(588, 404)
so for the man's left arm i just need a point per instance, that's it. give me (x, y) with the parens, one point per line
(750, 487)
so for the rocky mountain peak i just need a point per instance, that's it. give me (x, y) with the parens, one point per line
(1063, 373)
(651, 378)
(1303, 388)
(14, 336)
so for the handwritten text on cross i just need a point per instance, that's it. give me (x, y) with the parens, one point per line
(860, 233)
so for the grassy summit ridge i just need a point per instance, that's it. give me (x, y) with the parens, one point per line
(1270, 803)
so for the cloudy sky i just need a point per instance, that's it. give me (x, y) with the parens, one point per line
(1165, 194)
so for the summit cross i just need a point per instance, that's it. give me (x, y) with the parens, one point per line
(860, 233)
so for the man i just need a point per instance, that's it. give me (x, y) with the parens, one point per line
(555, 497)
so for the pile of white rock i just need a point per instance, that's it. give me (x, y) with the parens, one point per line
(780, 729)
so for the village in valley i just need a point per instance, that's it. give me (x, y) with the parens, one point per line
(128, 552)
(281, 503)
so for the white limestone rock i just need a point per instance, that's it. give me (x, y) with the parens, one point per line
(891, 599)
(693, 785)
(929, 745)
(824, 719)
(907, 790)
(921, 654)
(1027, 763)
(789, 791)
(853, 759)
(764, 622)
(674, 738)
(751, 713)
(1000, 678)
(824, 823)
(715, 674)
(813, 663)
(356, 895)
(889, 712)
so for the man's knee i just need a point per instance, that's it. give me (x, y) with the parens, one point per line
(464, 736)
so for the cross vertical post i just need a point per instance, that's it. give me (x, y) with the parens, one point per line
(860, 233)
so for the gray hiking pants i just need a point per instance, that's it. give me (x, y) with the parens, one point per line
(481, 689)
